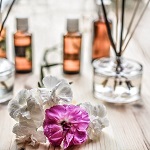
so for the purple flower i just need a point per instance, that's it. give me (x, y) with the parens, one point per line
(67, 124)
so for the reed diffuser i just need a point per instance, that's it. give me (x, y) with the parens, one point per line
(118, 80)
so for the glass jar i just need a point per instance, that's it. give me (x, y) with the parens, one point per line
(7, 75)
(117, 83)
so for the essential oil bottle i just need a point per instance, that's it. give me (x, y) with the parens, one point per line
(72, 47)
(23, 47)
(101, 43)
(2, 40)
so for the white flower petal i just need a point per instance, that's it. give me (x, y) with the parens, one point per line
(36, 94)
(30, 122)
(22, 130)
(22, 141)
(28, 104)
(105, 122)
(26, 128)
(88, 107)
(13, 108)
(33, 140)
(63, 92)
(60, 91)
(22, 96)
(39, 136)
(45, 94)
(99, 110)
(35, 109)
(98, 121)
(50, 82)
(18, 105)
(25, 113)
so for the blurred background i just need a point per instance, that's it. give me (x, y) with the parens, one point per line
(47, 23)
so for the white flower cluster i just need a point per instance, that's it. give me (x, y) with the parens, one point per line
(28, 109)
(98, 119)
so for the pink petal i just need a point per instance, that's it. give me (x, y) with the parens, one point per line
(79, 117)
(66, 123)
(57, 138)
(54, 133)
(79, 137)
(55, 113)
(67, 140)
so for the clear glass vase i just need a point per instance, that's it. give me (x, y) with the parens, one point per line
(7, 75)
(117, 80)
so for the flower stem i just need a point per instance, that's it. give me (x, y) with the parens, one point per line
(47, 66)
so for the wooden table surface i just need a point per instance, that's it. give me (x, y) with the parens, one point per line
(129, 124)
(129, 127)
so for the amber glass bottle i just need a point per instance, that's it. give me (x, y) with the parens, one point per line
(72, 48)
(23, 47)
(101, 43)
(3, 43)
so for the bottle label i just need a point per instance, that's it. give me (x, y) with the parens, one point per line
(72, 48)
(72, 65)
(23, 58)
(72, 56)
(3, 48)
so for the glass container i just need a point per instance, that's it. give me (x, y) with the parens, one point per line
(7, 75)
(117, 84)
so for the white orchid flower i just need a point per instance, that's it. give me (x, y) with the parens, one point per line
(56, 91)
(98, 119)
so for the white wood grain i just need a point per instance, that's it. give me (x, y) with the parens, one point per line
(129, 124)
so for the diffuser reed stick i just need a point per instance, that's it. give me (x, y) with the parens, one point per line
(124, 41)
(122, 27)
(132, 19)
(108, 28)
(126, 44)
(1, 6)
(3, 23)
(117, 20)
